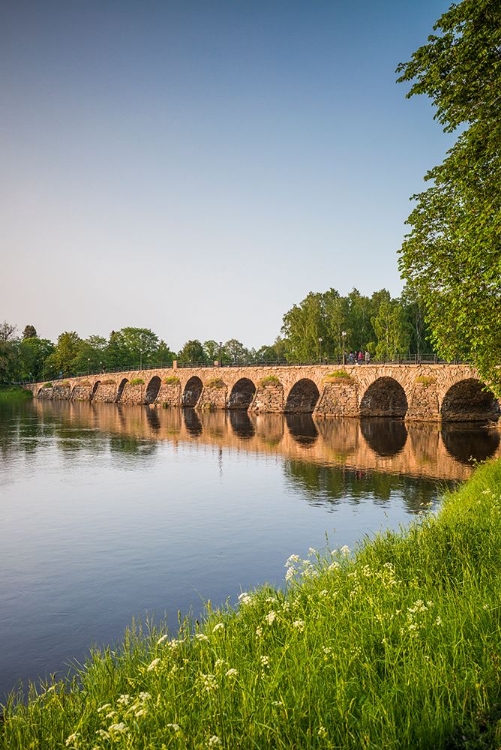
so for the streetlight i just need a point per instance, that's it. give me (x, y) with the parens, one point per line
(320, 339)
(343, 334)
(88, 365)
(220, 354)
(140, 359)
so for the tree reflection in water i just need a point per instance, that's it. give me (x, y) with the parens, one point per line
(332, 486)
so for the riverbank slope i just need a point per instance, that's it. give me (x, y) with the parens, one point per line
(395, 646)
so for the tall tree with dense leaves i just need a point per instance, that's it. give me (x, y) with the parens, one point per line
(452, 255)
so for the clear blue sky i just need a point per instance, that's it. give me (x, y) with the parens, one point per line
(198, 166)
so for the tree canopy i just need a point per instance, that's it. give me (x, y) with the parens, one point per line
(452, 256)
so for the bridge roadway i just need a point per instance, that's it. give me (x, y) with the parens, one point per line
(415, 392)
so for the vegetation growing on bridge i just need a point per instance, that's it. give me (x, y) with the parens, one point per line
(339, 375)
(172, 380)
(269, 380)
(396, 646)
(136, 381)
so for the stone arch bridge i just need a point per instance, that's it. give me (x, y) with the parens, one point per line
(426, 392)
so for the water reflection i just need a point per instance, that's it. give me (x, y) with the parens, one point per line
(382, 445)
(386, 437)
(192, 422)
(241, 424)
(323, 486)
(302, 428)
(467, 444)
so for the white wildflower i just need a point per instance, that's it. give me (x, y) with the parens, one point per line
(120, 728)
(104, 707)
(232, 672)
(162, 639)
(201, 637)
(218, 626)
(175, 727)
(259, 631)
(265, 661)
(322, 732)
(438, 621)
(214, 740)
(245, 598)
(154, 664)
(72, 739)
(291, 560)
(124, 700)
(312, 551)
(324, 592)
(345, 550)
(144, 696)
(270, 617)
(299, 625)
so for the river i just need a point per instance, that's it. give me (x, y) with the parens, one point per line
(110, 512)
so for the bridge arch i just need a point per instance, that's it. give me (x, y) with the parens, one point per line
(152, 390)
(121, 387)
(302, 397)
(241, 394)
(385, 397)
(469, 401)
(192, 391)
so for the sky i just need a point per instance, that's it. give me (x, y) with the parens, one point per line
(197, 167)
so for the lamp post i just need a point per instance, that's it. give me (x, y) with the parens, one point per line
(320, 339)
(343, 337)
(220, 354)
(88, 365)
(140, 359)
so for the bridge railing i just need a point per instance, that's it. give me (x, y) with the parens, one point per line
(412, 359)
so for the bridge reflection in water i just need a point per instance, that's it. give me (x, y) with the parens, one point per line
(381, 445)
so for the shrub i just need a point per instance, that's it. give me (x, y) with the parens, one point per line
(425, 380)
(172, 380)
(215, 383)
(339, 376)
(47, 385)
(136, 381)
(269, 380)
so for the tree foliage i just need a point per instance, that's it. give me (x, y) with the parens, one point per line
(452, 256)
(326, 325)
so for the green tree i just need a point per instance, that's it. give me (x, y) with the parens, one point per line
(33, 354)
(192, 352)
(452, 255)
(303, 327)
(30, 332)
(64, 357)
(236, 352)
(8, 352)
(392, 331)
(132, 348)
(211, 350)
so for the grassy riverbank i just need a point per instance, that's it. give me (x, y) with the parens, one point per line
(396, 647)
(14, 394)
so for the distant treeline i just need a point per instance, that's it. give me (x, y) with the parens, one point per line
(324, 326)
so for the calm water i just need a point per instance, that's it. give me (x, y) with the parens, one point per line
(111, 512)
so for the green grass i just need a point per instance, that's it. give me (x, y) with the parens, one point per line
(14, 394)
(395, 646)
